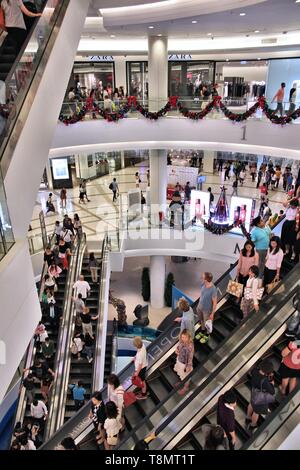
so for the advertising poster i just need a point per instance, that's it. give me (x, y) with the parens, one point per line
(241, 209)
(181, 175)
(199, 207)
(60, 168)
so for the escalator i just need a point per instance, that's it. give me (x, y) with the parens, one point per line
(23, 414)
(81, 369)
(194, 440)
(161, 378)
(177, 423)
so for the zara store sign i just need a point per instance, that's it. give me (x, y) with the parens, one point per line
(101, 58)
(180, 57)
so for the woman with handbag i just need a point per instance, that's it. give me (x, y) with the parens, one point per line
(54, 270)
(184, 361)
(262, 393)
(112, 425)
(289, 369)
(115, 393)
(273, 261)
(252, 292)
(248, 257)
(140, 364)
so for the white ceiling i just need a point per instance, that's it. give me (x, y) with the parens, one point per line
(267, 16)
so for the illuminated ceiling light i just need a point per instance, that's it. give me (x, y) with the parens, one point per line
(112, 36)
(297, 1)
(227, 60)
(159, 35)
(258, 58)
(242, 14)
(209, 34)
(194, 21)
(257, 31)
(150, 27)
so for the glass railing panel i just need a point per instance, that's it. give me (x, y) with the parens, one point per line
(19, 79)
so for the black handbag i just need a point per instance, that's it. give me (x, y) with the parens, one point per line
(260, 397)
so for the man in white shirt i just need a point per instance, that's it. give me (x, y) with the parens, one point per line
(39, 412)
(82, 287)
(58, 228)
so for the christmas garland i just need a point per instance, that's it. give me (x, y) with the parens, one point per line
(174, 103)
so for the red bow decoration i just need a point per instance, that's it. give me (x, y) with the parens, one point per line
(217, 100)
(261, 101)
(131, 101)
(173, 101)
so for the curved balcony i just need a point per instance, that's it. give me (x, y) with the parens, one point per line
(215, 131)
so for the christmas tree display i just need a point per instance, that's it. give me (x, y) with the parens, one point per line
(221, 215)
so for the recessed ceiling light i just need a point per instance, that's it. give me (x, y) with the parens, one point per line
(258, 58)
(227, 60)
(297, 1)
(209, 34)
(242, 14)
(159, 35)
(194, 21)
(150, 27)
(257, 31)
(112, 36)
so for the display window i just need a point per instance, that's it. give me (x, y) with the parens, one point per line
(137, 79)
(190, 78)
(87, 76)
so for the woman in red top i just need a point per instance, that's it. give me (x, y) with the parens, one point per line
(289, 369)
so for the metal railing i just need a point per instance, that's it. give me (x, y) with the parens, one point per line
(24, 77)
(70, 108)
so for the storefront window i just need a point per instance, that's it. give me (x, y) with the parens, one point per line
(93, 75)
(187, 78)
(241, 80)
(137, 79)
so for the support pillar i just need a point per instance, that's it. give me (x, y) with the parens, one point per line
(122, 159)
(208, 161)
(157, 72)
(157, 281)
(49, 174)
(158, 183)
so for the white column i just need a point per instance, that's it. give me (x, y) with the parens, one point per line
(122, 159)
(208, 161)
(120, 72)
(157, 71)
(157, 281)
(49, 174)
(158, 184)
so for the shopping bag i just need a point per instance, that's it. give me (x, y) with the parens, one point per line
(2, 19)
(209, 326)
(235, 288)
(249, 295)
(137, 381)
(129, 398)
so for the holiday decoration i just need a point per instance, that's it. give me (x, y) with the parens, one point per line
(174, 103)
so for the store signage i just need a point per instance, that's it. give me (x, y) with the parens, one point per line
(180, 57)
(101, 58)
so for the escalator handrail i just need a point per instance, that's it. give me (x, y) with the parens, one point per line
(211, 375)
(57, 391)
(24, 98)
(30, 355)
(100, 344)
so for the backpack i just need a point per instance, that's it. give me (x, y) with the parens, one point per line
(111, 186)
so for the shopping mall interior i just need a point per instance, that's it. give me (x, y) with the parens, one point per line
(150, 225)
